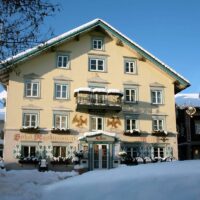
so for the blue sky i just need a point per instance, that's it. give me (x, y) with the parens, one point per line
(169, 29)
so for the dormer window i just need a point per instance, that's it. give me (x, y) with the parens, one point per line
(97, 44)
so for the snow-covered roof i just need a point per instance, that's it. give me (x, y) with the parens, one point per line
(83, 89)
(114, 91)
(90, 134)
(190, 99)
(98, 90)
(83, 28)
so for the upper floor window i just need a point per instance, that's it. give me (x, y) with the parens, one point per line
(97, 64)
(63, 61)
(30, 120)
(130, 66)
(32, 89)
(61, 91)
(130, 95)
(60, 121)
(97, 44)
(96, 123)
(156, 96)
(131, 124)
(158, 124)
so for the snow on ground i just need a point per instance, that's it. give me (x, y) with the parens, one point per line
(160, 181)
(27, 184)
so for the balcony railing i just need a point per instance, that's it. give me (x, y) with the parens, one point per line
(99, 103)
(98, 99)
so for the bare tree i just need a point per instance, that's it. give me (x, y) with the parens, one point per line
(20, 22)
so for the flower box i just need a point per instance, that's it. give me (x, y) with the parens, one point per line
(159, 133)
(60, 131)
(30, 130)
(135, 132)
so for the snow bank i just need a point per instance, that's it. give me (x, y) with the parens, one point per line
(27, 184)
(162, 181)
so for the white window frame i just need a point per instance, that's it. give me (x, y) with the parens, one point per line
(60, 118)
(158, 124)
(29, 149)
(32, 83)
(159, 150)
(96, 63)
(61, 90)
(62, 61)
(156, 91)
(60, 147)
(131, 123)
(97, 40)
(129, 100)
(30, 122)
(96, 123)
(129, 66)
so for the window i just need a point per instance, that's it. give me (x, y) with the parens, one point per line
(156, 97)
(97, 64)
(61, 91)
(133, 151)
(159, 152)
(63, 61)
(158, 124)
(30, 120)
(28, 151)
(97, 44)
(59, 151)
(130, 67)
(96, 123)
(130, 95)
(32, 89)
(60, 121)
(197, 127)
(131, 124)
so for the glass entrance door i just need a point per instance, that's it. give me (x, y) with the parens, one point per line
(100, 156)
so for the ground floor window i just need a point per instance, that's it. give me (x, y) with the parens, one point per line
(159, 152)
(59, 151)
(132, 151)
(28, 151)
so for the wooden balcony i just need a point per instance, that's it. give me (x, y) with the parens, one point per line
(103, 103)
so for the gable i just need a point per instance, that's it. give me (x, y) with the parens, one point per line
(180, 82)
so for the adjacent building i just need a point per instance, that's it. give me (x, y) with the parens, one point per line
(90, 89)
(188, 125)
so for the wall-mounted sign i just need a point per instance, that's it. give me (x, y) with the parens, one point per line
(44, 138)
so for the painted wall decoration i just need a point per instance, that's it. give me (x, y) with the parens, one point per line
(79, 121)
(114, 122)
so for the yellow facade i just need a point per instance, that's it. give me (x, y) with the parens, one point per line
(44, 68)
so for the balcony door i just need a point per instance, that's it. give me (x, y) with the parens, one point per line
(100, 155)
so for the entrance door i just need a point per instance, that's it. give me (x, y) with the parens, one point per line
(100, 156)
